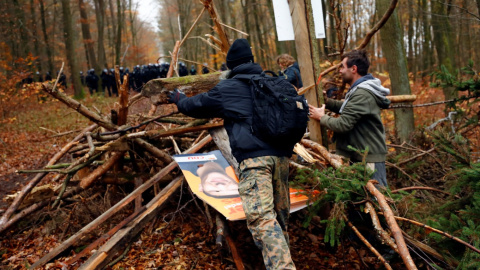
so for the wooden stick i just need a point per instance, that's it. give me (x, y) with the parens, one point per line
(123, 111)
(234, 29)
(390, 217)
(334, 160)
(111, 247)
(87, 181)
(79, 107)
(233, 247)
(114, 209)
(416, 156)
(16, 203)
(369, 246)
(174, 131)
(439, 232)
(34, 207)
(378, 227)
(173, 63)
(402, 98)
(423, 188)
(220, 233)
(191, 27)
(225, 44)
(404, 172)
(161, 155)
(103, 238)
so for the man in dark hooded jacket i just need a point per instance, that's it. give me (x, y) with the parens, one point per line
(360, 123)
(263, 168)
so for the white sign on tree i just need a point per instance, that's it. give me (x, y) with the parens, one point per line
(283, 19)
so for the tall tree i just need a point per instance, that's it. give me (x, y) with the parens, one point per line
(70, 48)
(46, 39)
(392, 47)
(443, 40)
(118, 36)
(36, 45)
(24, 43)
(100, 14)
(87, 37)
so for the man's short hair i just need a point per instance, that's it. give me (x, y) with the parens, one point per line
(358, 58)
(285, 59)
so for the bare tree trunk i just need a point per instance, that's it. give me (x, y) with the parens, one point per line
(112, 29)
(70, 49)
(246, 16)
(258, 33)
(36, 45)
(392, 47)
(279, 45)
(132, 27)
(427, 52)
(87, 37)
(45, 38)
(410, 36)
(100, 14)
(118, 39)
(442, 38)
(21, 26)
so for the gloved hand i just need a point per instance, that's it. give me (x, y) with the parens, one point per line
(175, 96)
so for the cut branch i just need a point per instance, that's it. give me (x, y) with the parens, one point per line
(378, 227)
(365, 241)
(79, 107)
(16, 203)
(334, 160)
(114, 209)
(396, 232)
(87, 181)
(426, 227)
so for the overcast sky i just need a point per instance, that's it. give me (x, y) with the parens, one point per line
(148, 11)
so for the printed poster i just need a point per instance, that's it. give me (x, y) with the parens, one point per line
(213, 180)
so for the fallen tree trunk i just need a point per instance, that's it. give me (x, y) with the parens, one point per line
(158, 89)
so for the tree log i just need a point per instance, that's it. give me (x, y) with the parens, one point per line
(334, 160)
(157, 89)
(390, 217)
(402, 98)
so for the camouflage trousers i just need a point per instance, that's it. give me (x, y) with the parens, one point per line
(265, 198)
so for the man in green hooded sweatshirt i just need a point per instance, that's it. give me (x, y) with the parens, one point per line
(360, 124)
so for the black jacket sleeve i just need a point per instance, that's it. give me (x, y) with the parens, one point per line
(205, 105)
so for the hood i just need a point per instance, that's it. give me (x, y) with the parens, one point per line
(374, 86)
(247, 68)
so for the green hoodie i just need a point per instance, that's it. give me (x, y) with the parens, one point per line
(360, 124)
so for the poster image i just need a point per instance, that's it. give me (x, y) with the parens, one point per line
(213, 180)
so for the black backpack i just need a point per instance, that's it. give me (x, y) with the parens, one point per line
(280, 115)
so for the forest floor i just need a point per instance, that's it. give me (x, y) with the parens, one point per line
(180, 238)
